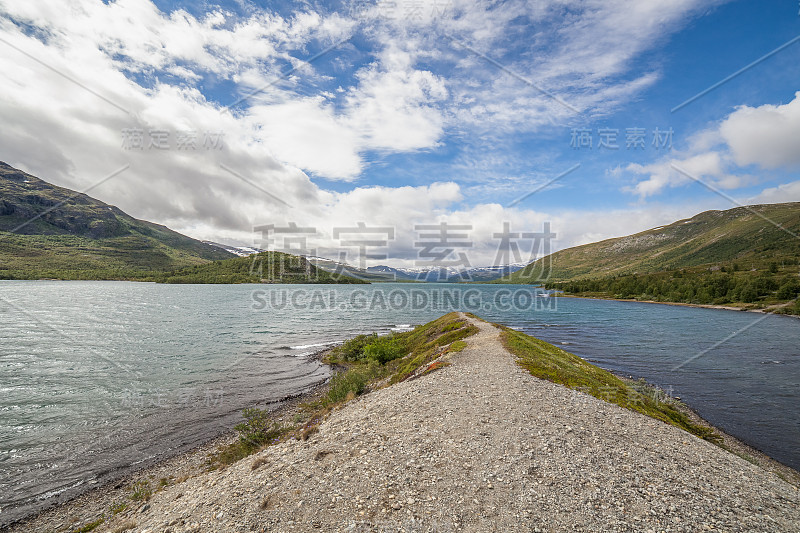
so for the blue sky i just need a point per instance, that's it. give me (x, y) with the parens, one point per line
(429, 111)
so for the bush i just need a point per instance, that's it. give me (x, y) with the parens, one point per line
(353, 349)
(257, 429)
(353, 381)
(789, 290)
(383, 350)
(749, 294)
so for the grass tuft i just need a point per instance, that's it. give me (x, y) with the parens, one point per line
(141, 491)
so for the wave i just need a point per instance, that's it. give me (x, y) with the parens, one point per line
(49, 494)
(307, 346)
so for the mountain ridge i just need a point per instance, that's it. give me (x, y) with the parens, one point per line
(747, 257)
(708, 238)
(47, 231)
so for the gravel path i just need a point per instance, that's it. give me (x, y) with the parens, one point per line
(480, 446)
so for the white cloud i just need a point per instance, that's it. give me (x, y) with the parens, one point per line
(768, 135)
(392, 100)
(786, 192)
(712, 168)
(581, 52)
(390, 106)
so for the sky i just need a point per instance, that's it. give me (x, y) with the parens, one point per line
(225, 120)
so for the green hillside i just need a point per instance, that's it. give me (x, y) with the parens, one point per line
(747, 256)
(264, 267)
(52, 232)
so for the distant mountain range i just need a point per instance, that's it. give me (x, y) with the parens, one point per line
(383, 273)
(48, 231)
(448, 274)
(52, 232)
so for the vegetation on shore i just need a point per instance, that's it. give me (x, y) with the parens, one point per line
(365, 363)
(748, 257)
(549, 362)
(773, 289)
(264, 267)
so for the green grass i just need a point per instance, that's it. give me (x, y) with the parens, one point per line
(457, 346)
(549, 362)
(90, 526)
(351, 383)
(425, 343)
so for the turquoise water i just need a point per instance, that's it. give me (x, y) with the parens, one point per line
(101, 377)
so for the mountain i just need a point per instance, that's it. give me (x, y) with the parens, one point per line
(745, 235)
(240, 251)
(420, 274)
(52, 232)
(490, 273)
(747, 256)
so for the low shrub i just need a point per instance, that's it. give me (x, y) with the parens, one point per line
(383, 350)
(354, 381)
(141, 491)
(353, 349)
(258, 428)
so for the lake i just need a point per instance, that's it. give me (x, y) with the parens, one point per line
(98, 378)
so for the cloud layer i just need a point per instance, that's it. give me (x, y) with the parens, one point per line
(318, 96)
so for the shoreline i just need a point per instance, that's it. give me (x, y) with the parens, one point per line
(480, 444)
(84, 508)
(81, 509)
(680, 304)
(733, 444)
